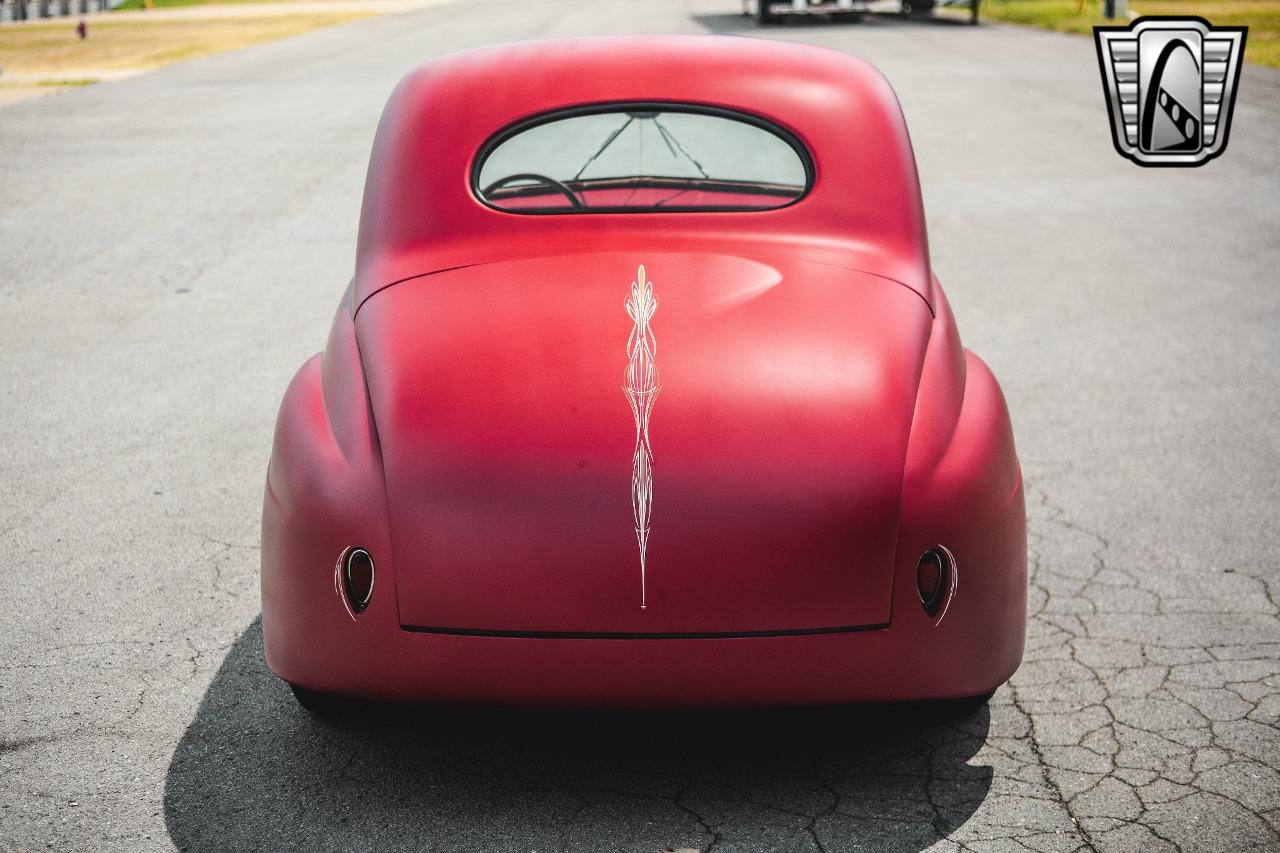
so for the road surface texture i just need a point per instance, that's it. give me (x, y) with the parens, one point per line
(173, 246)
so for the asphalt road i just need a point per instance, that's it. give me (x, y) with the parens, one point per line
(173, 246)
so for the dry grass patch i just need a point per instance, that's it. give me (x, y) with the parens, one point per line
(52, 46)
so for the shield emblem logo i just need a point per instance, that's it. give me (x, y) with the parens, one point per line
(1170, 85)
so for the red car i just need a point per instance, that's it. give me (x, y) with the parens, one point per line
(643, 394)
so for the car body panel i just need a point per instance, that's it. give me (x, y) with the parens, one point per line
(778, 438)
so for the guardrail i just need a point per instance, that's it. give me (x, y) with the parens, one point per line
(26, 10)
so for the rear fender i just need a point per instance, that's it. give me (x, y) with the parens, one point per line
(962, 489)
(325, 493)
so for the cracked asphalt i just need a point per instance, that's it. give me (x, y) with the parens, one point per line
(171, 249)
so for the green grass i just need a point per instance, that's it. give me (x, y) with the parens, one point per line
(1262, 17)
(164, 4)
(1065, 16)
(78, 81)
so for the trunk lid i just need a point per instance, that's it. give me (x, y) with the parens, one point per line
(776, 397)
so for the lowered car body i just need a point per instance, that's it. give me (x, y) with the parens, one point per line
(644, 393)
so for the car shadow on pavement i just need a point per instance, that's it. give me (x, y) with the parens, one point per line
(254, 772)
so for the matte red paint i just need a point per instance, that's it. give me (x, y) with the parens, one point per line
(819, 426)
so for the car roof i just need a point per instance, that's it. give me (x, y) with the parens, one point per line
(863, 212)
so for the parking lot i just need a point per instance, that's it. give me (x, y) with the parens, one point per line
(173, 246)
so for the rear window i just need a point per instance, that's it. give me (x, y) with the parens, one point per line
(642, 158)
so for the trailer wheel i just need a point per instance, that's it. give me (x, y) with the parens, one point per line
(764, 16)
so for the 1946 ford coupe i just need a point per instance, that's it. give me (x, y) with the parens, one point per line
(643, 394)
